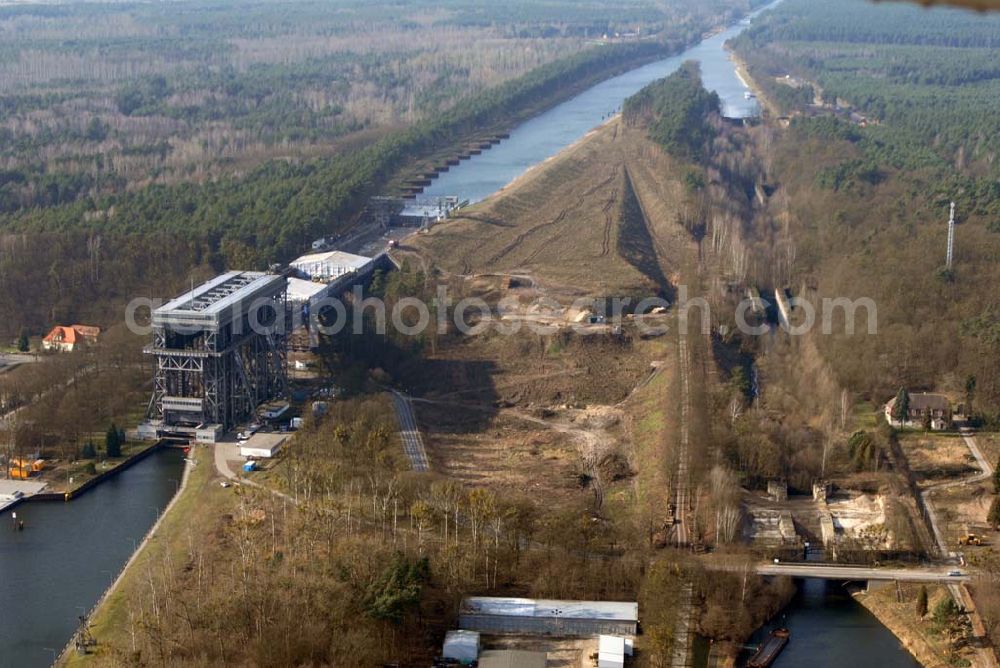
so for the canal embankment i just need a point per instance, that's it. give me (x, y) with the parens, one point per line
(769, 106)
(76, 490)
(929, 641)
(69, 553)
(825, 621)
(200, 500)
(15, 492)
(190, 462)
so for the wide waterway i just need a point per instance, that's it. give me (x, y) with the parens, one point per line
(548, 133)
(68, 553)
(830, 629)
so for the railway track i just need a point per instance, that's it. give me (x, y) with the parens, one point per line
(413, 443)
(681, 492)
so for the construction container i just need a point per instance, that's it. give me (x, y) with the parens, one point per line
(461, 646)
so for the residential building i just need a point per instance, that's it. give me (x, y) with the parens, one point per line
(920, 404)
(68, 338)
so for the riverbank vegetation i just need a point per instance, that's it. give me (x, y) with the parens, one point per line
(677, 111)
(934, 633)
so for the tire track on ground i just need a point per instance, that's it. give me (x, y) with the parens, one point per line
(519, 239)
(608, 222)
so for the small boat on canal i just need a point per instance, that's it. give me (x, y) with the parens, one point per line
(770, 650)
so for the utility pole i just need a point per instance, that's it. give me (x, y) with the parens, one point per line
(951, 237)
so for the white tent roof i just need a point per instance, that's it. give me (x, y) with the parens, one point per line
(611, 645)
(339, 258)
(302, 291)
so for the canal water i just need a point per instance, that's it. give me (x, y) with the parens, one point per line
(68, 553)
(549, 133)
(830, 629)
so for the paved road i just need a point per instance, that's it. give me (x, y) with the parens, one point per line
(13, 359)
(224, 453)
(830, 572)
(6, 417)
(413, 443)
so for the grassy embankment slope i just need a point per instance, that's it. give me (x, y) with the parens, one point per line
(572, 222)
(599, 219)
(927, 640)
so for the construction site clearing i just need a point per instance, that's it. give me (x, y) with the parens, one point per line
(819, 520)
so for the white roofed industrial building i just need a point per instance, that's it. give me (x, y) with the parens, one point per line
(331, 264)
(490, 614)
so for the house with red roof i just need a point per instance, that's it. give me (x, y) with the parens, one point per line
(66, 339)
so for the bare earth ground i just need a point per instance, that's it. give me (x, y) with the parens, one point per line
(561, 652)
(936, 457)
(578, 418)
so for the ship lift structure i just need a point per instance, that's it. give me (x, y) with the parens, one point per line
(220, 350)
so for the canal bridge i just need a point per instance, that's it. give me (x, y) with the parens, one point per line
(845, 573)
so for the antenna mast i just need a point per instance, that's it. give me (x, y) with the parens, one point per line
(951, 237)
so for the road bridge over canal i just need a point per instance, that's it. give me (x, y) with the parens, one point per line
(851, 573)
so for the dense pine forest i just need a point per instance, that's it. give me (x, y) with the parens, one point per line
(893, 114)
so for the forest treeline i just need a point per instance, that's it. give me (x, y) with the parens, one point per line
(906, 121)
(677, 111)
(928, 81)
(103, 96)
(274, 210)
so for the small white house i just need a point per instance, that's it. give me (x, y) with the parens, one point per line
(612, 650)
